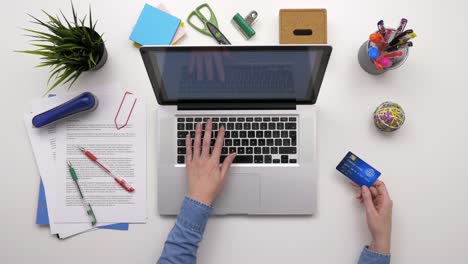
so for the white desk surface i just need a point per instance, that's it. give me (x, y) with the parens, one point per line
(423, 164)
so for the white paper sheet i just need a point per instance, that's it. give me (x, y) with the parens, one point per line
(122, 151)
(43, 142)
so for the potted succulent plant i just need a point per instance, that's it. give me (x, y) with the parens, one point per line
(68, 48)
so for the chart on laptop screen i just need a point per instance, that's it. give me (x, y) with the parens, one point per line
(236, 74)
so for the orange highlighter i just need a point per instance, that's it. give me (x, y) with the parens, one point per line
(376, 38)
(119, 180)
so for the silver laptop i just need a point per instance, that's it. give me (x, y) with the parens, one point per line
(262, 95)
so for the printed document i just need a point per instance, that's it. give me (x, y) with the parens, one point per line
(123, 151)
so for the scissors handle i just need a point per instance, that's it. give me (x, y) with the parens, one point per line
(199, 15)
(203, 30)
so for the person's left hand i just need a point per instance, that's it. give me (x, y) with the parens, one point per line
(204, 173)
(379, 215)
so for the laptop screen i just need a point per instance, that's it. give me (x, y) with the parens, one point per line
(236, 73)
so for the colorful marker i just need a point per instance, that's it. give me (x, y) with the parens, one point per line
(400, 37)
(406, 38)
(400, 47)
(378, 65)
(402, 26)
(376, 37)
(373, 53)
(389, 35)
(385, 62)
(381, 27)
(393, 54)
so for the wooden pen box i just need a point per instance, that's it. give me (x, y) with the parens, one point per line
(303, 26)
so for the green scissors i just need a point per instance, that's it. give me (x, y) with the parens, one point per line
(210, 26)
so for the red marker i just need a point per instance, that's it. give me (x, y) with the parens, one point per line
(120, 181)
(389, 35)
(394, 54)
(378, 65)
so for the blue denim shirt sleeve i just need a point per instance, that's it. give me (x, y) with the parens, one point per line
(182, 242)
(370, 257)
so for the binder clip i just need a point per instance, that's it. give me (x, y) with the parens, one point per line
(244, 24)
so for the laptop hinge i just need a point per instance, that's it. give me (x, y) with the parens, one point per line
(237, 106)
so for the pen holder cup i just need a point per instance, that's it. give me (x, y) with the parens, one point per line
(368, 65)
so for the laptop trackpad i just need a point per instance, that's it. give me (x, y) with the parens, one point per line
(241, 194)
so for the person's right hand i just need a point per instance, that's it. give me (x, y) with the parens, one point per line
(379, 215)
(205, 175)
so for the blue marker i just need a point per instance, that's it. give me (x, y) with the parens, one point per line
(373, 53)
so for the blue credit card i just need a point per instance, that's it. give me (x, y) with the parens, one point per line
(358, 170)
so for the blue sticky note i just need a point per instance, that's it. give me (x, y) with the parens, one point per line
(42, 215)
(358, 170)
(154, 27)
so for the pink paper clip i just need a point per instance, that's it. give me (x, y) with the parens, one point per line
(125, 110)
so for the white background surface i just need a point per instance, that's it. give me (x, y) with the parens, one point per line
(423, 164)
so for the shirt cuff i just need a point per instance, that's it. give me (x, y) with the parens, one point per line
(194, 215)
(373, 257)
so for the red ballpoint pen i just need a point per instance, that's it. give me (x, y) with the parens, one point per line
(119, 180)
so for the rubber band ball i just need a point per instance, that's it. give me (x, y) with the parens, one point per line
(389, 116)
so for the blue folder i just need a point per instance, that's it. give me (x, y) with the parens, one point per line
(42, 216)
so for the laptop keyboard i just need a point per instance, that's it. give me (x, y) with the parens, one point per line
(256, 139)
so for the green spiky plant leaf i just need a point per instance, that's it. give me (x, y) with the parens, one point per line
(68, 47)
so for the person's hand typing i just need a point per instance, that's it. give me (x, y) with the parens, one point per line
(379, 215)
(205, 175)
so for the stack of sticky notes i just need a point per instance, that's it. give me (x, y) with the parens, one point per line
(156, 26)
